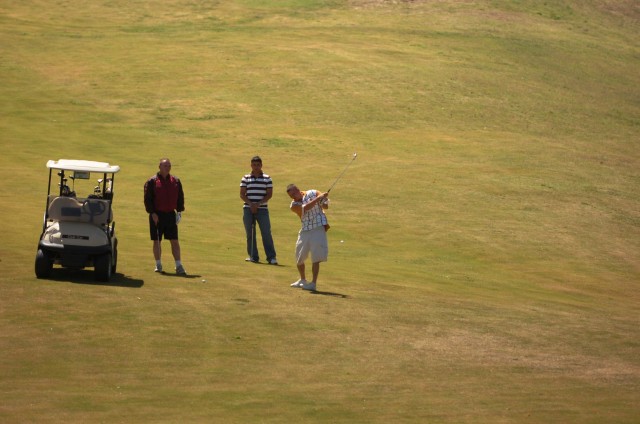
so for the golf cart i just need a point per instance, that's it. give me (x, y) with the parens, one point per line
(78, 232)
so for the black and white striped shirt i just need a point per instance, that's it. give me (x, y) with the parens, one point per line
(256, 187)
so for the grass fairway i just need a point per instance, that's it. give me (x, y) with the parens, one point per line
(485, 245)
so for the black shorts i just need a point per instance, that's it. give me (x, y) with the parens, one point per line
(167, 226)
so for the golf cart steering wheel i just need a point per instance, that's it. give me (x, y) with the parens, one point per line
(93, 208)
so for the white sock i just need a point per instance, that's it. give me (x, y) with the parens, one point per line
(159, 263)
(178, 263)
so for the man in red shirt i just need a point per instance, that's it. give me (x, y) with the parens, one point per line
(164, 201)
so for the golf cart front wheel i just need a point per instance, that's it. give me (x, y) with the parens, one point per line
(102, 267)
(43, 264)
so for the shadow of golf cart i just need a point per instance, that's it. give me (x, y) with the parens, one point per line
(79, 232)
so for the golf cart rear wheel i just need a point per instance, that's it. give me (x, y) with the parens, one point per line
(43, 264)
(102, 267)
(115, 257)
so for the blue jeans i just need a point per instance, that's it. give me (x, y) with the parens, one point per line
(262, 218)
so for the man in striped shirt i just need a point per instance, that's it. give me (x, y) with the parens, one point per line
(256, 189)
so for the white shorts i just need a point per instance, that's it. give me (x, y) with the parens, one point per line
(314, 242)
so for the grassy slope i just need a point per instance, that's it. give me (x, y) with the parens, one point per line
(490, 224)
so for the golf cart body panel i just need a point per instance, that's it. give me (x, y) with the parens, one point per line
(59, 235)
(78, 232)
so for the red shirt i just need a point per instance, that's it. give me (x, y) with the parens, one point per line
(163, 194)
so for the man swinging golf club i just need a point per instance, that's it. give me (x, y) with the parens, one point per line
(312, 238)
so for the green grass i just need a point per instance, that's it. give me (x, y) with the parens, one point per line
(484, 245)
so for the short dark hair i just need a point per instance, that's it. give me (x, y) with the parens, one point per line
(256, 159)
(290, 186)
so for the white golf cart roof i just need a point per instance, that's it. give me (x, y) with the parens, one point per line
(82, 165)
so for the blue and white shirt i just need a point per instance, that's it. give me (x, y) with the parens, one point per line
(313, 217)
(256, 187)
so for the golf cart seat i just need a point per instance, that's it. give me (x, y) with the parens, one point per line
(69, 209)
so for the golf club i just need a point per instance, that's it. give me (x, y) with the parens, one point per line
(253, 237)
(158, 269)
(342, 173)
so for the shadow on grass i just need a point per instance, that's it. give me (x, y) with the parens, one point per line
(186, 277)
(85, 276)
(265, 263)
(324, 293)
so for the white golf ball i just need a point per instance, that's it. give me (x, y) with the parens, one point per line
(341, 241)
(204, 281)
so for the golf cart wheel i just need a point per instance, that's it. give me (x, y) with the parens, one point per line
(43, 264)
(115, 257)
(102, 267)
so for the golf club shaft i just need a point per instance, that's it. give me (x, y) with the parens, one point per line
(342, 173)
(253, 236)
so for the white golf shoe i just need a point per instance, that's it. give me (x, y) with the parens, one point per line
(299, 283)
(309, 286)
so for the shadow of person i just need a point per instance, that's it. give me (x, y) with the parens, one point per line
(187, 277)
(324, 293)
